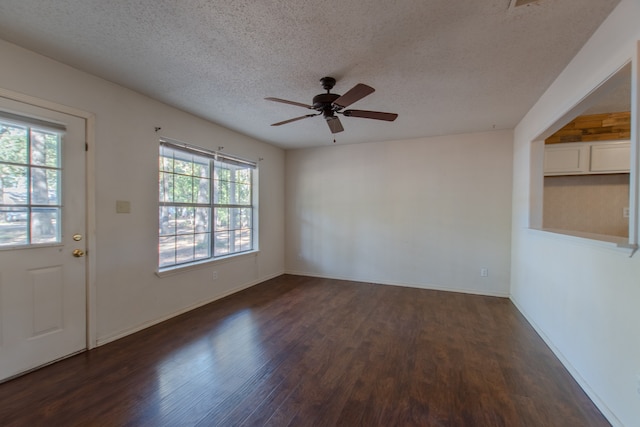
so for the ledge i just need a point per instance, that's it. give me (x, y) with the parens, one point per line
(614, 243)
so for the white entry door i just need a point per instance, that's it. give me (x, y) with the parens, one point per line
(42, 237)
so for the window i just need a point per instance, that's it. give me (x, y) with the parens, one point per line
(30, 180)
(206, 205)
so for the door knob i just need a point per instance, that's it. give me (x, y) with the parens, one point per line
(78, 253)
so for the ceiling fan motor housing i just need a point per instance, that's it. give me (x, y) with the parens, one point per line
(324, 101)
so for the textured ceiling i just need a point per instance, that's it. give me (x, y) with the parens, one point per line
(444, 66)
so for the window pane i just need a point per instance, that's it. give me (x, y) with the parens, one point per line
(16, 214)
(13, 144)
(246, 221)
(44, 186)
(14, 226)
(184, 167)
(39, 192)
(167, 221)
(44, 149)
(236, 245)
(53, 187)
(202, 169)
(243, 176)
(185, 220)
(235, 218)
(183, 190)
(243, 194)
(245, 240)
(222, 173)
(221, 243)
(222, 219)
(202, 220)
(45, 225)
(203, 245)
(14, 181)
(166, 160)
(221, 193)
(184, 248)
(201, 190)
(166, 187)
(167, 251)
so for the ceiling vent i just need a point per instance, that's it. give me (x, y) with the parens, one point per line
(518, 3)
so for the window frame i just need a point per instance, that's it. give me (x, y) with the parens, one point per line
(215, 160)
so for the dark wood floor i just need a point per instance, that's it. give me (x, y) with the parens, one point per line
(299, 351)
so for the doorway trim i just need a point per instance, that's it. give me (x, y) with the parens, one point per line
(90, 279)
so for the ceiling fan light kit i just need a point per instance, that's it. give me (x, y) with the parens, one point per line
(329, 104)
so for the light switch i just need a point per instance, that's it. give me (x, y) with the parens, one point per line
(123, 206)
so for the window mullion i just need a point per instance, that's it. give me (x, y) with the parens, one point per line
(29, 184)
(212, 216)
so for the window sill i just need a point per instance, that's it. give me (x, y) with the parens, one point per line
(170, 271)
(618, 244)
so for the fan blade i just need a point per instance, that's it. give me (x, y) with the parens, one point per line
(294, 120)
(284, 101)
(356, 93)
(335, 125)
(376, 115)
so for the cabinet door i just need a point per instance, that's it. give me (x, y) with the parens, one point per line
(611, 157)
(566, 159)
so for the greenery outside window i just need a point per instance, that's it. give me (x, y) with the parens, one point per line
(30, 181)
(206, 205)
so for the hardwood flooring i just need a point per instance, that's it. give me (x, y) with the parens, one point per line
(300, 351)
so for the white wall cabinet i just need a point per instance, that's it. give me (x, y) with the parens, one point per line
(584, 158)
(610, 157)
(566, 159)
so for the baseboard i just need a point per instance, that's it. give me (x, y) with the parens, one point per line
(124, 333)
(407, 285)
(595, 398)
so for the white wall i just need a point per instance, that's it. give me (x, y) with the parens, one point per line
(429, 212)
(128, 293)
(581, 296)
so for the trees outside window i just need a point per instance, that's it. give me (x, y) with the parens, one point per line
(30, 179)
(205, 205)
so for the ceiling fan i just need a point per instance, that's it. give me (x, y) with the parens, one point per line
(329, 104)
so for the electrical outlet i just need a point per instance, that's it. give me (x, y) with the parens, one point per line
(214, 276)
(484, 272)
(625, 212)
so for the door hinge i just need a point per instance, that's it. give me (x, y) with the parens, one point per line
(86, 146)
